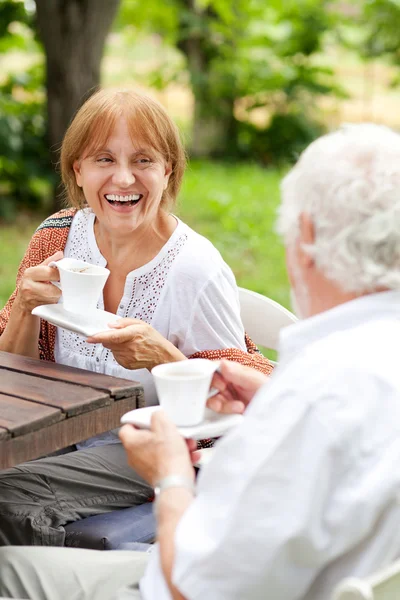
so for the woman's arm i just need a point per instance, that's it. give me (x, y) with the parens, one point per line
(21, 334)
(250, 358)
(215, 329)
(19, 329)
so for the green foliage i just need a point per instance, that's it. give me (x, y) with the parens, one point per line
(15, 22)
(154, 17)
(282, 142)
(26, 177)
(234, 205)
(244, 55)
(381, 22)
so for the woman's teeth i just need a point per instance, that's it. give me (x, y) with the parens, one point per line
(129, 200)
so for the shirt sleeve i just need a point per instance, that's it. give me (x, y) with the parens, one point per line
(214, 321)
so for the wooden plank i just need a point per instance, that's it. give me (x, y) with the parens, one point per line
(60, 435)
(116, 386)
(4, 434)
(70, 398)
(20, 416)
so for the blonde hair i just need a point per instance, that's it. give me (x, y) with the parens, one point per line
(147, 121)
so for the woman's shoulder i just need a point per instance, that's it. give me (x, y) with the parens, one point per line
(199, 248)
(199, 260)
(59, 220)
(51, 235)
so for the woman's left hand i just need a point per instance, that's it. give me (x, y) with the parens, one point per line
(159, 452)
(137, 345)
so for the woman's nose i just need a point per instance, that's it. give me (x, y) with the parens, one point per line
(123, 176)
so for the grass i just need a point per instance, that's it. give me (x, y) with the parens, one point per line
(232, 205)
(13, 242)
(235, 207)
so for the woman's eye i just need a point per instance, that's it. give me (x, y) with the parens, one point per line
(104, 159)
(143, 161)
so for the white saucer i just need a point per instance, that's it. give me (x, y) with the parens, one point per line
(213, 425)
(86, 325)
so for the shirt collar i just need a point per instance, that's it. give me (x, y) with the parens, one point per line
(294, 338)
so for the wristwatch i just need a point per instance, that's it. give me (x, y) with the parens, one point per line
(172, 481)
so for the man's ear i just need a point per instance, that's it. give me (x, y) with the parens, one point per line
(77, 170)
(306, 237)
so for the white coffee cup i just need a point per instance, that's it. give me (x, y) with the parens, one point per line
(81, 284)
(183, 388)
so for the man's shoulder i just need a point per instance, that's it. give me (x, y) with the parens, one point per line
(347, 373)
(365, 347)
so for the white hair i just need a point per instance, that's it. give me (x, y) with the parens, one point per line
(348, 182)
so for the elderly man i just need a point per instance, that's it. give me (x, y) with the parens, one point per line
(306, 490)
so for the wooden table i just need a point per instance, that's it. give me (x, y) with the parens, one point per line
(45, 406)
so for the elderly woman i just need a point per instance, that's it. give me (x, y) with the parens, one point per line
(122, 165)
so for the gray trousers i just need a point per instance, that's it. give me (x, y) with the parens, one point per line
(39, 497)
(70, 574)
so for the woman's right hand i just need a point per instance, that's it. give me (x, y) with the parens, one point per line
(237, 385)
(35, 287)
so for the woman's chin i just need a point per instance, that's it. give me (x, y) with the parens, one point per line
(120, 224)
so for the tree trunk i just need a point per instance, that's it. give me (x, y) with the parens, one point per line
(214, 123)
(214, 128)
(73, 33)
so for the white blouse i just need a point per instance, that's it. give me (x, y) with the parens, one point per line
(187, 293)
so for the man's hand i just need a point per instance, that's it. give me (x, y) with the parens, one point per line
(159, 452)
(237, 385)
(137, 345)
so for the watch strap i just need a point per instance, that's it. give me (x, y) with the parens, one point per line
(174, 481)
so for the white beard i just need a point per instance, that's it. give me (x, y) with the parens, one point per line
(299, 293)
(295, 305)
(300, 296)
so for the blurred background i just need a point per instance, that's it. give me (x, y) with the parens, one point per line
(249, 82)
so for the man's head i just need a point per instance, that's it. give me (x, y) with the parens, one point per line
(340, 217)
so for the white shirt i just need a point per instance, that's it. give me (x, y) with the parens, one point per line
(187, 293)
(306, 490)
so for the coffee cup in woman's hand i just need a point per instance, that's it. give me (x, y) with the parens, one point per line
(81, 284)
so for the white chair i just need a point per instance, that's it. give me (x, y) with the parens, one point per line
(263, 318)
(382, 585)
